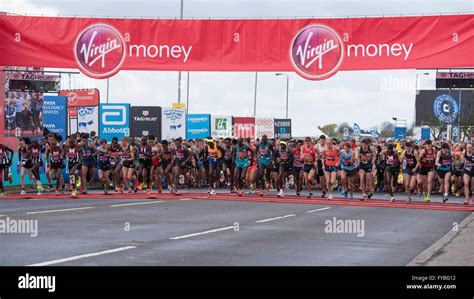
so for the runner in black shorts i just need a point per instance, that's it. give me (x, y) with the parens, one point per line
(104, 165)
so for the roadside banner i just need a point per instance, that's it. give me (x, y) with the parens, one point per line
(55, 115)
(145, 120)
(221, 126)
(198, 126)
(173, 123)
(283, 128)
(114, 121)
(244, 127)
(264, 126)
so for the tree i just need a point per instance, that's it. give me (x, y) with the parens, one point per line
(342, 126)
(437, 126)
(329, 130)
(466, 124)
(387, 129)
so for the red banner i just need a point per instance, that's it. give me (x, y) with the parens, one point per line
(314, 48)
(244, 127)
(81, 97)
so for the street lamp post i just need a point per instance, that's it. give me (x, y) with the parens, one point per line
(179, 73)
(287, 90)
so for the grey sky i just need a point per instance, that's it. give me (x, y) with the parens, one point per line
(368, 97)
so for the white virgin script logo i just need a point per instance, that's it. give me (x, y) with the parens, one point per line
(314, 54)
(97, 52)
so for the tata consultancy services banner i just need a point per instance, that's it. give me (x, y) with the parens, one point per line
(283, 128)
(173, 123)
(114, 121)
(198, 126)
(55, 115)
(244, 127)
(221, 126)
(145, 120)
(264, 126)
(314, 48)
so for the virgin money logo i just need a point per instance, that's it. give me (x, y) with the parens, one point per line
(100, 51)
(72, 98)
(317, 52)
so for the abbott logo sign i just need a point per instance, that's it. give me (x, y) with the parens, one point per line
(114, 121)
(114, 115)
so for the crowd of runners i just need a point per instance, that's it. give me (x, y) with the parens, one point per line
(242, 166)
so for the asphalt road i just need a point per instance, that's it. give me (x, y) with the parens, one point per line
(113, 232)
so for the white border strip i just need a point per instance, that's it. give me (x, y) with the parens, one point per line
(203, 233)
(136, 203)
(62, 210)
(276, 218)
(77, 257)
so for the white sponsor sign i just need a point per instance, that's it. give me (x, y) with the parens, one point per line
(87, 120)
(221, 126)
(173, 123)
(264, 126)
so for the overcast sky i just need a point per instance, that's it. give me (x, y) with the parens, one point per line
(365, 97)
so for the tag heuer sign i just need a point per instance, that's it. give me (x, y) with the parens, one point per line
(145, 121)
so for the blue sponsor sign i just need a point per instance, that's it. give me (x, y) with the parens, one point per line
(400, 132)
(445, 108)
(198, 126)
(114, 121)
(374, 134)
(425, 133)
(356, 130)
(55, 115)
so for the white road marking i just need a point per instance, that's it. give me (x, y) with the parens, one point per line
(203, 233)
(136, 203)
(186, 199)
(77, 257)
(317, 210)
(276, 218)
(61, 210)
(3, 215)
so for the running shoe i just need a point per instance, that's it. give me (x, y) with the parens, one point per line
(2, 194)
(330, 197)
(56, 192)
(262, 193)
(323, 194)
(140, 186)
(310, 194)
(351, 195)
(240, 193)
(10, 178)
(370, 195)
(106, 192)
(392, 199)
(74, 193)
(344, 193)
(445, 198)
(466, 202)
(409, 199)
(212, 192)
(84, 191)
(427, 197)
(23, 192)
(160, 189)
(364, 197)
(49, 188)
(298, 193)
